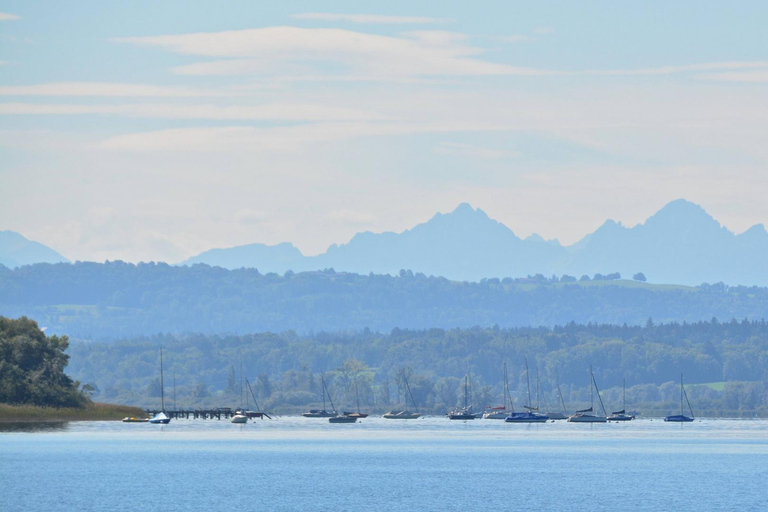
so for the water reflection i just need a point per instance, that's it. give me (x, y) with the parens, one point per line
(34, 426)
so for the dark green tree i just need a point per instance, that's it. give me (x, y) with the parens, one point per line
(32, 367)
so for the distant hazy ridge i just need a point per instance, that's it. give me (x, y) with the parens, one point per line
(679, 244)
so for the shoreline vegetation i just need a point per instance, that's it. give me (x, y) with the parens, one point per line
(91, 412)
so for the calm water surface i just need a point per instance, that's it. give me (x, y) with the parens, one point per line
(426, 464)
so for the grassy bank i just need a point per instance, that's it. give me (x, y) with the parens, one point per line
(93, 412)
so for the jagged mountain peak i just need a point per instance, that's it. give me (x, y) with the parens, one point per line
(682, 213)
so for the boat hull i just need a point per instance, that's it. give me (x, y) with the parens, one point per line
(320, 414)
(526, 417)
(587, 418)
(497, 415)
(239, 418)
(678, 418)
(620, 417)
(135, 420)
(461, 416)
(401, 415)
(343, 419)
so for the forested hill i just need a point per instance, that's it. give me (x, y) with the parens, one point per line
(116, 299)
(728, 356)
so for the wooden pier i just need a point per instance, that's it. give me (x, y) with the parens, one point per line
(205, 414)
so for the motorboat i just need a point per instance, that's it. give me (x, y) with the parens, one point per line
(133, 419)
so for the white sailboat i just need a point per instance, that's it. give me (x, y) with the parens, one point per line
(240, 417)
(161, 417)
(587, 415)
(501, 412)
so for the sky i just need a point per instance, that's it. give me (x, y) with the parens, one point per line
(153, 131)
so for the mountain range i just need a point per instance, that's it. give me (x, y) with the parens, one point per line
(681, 243)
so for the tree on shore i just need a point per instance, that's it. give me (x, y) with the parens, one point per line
(32, 367)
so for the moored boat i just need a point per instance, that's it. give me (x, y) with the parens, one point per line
(587, 415)
(682, 418)
(322, 413)
(133, 419)
(406, 414)
(343, 419)
(161, 417)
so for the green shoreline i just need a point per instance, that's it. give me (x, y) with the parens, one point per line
(93, 412)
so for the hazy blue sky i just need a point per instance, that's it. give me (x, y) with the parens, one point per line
(155, 130)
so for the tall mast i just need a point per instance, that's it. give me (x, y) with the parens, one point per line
(681, 394)
(162, 383)
(322, 380)
(624, 394)
(174, 392)
(562, 402)
(528, 379)
(591, 390)
(357, 396)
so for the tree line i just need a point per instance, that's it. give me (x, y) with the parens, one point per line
(102, 301)
(726, 364)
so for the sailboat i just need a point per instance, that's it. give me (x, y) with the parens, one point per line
(500, 412)
(161, 417)
(357, 414)
(558, 415)
(240, 415)
(463, 413)
(622, 414)
(406, 414)
(681, 418)
(531, 415)
(586, 415)
(317, 413)
(258, 413)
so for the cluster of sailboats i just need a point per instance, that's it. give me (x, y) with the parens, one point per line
(530, 414)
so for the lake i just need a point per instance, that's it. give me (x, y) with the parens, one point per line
(427, 464)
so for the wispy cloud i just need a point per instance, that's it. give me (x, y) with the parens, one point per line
(370, 18)
(759, 75)
(5, 16)
(275, 112)
(686, 68)
(473, 151)
(516, 38)
(292, 51)
(105, 89)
